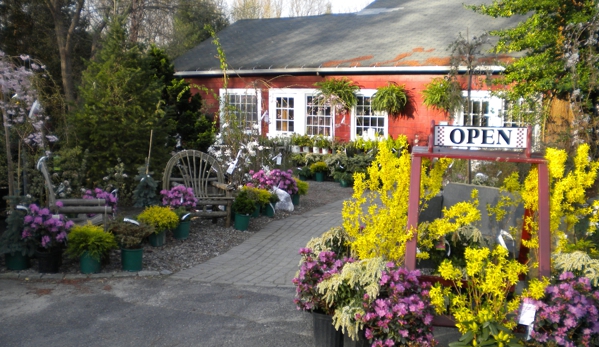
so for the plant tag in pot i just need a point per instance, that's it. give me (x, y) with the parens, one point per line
(185, 216)
(128, 220)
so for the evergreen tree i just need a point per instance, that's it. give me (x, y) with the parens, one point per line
(192, 128)
(121, 106)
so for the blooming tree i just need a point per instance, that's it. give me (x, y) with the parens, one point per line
(22, 113)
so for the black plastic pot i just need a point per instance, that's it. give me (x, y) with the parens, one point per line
(325, 334)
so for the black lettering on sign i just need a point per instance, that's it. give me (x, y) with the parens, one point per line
(502, 135)
(472, 134)
(487, 135)
(452, 135)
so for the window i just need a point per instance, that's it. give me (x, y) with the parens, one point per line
(295, 111)
(368, 123)
(245, 104)
(285, 114)
(318, 118)
(485, 110)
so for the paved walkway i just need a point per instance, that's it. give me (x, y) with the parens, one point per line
(270, 257)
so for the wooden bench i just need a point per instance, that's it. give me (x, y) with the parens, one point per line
(201, 172)
(82, 208)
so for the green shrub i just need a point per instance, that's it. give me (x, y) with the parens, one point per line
(91, 239)
(243, 204)
(162, 218)
(302, 186)
(130, 235)
(319, 166)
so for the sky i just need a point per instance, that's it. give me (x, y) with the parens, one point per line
(340, 6)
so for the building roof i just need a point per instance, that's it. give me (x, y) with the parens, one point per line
(401, 35)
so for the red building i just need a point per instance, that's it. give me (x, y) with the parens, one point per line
(273, 65)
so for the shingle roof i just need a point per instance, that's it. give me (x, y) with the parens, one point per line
(386, 33)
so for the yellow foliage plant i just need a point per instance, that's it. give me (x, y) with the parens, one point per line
(567, 198)
(376, 216)
(479, 301)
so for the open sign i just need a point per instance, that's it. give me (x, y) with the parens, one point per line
(460, 136)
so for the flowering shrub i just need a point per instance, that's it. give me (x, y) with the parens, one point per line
(44, 229)
(313, 269)
(402, 314)
(98, 193)
(179, 196)
(275, 178)
(568, 315)
(482, 311)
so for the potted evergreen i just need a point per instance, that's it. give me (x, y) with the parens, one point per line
(129, 234)
(305, 142)
(318, 169)
(163, 219)
(244, 206)
(17, 251)
(89, 243)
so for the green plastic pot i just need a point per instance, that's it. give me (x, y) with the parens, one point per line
(345, 183)
(242, 221)
(158, 239)
(17, 261)
(319, 176)
(295, 198)
(181, 232)
(89, 265)
(269, 211)
(132, 259)
(256, 213)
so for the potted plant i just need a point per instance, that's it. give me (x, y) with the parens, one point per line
(269, 211)
(323, 143)
(129, 234)
(320, 259)
(48, 233)
(260, 196)
(16, 250)
(443, 94)
(181, 199)
(89, 243)
(302, 189)
(482, 309)
(295, 143)
(181, 232)
(345, 178)
(305, 142)
(340, 94)
(391, 98)
(243, 205)
(566, 311)
(318, 169)
(162, 218)
(315, 144)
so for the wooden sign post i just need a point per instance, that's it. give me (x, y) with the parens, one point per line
(445, 142)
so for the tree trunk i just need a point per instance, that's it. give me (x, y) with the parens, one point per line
(64, 38)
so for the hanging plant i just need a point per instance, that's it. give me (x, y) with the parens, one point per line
(340, 93)
(443, 94)
(391, 98)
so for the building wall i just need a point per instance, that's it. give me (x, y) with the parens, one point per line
(416, 122)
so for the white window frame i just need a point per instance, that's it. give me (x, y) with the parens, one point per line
(243, 91)
(354, 115)
(300, 116)
(496, 105)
